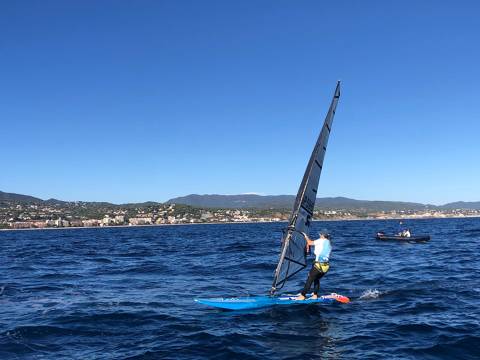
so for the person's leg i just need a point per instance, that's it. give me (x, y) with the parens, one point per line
(312, 275)
(316, 287)
(308, 283)
(316, 283)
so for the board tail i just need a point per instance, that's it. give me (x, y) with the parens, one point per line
(339, 298)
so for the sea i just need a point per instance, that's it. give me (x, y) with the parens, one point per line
(128, 293)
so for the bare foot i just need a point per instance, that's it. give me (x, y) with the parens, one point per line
(314, 297)
(300, 297)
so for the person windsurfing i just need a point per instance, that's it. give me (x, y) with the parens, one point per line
(322, 250)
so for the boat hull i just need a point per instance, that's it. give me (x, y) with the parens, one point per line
(419, 238)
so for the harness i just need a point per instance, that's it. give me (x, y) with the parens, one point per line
(321, 266)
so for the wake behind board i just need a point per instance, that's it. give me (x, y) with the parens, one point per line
(255, 302)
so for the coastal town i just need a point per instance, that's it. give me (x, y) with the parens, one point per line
(83, 214)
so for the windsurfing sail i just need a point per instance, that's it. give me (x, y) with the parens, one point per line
(293, 256)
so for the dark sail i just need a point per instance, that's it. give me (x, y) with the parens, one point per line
(293, 255)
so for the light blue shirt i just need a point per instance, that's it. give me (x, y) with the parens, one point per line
(323, 249)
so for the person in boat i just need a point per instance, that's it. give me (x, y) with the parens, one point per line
(406, 233)
(322, 250)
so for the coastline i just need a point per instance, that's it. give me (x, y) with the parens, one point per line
(236, 222)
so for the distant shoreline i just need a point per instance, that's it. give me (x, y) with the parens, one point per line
(232, 222)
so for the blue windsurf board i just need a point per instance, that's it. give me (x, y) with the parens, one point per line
(255, 302)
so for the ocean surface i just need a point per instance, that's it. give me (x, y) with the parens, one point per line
(127, 293)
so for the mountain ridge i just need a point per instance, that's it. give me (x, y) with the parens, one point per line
(244, 201)
(326, 203)
(4, 196)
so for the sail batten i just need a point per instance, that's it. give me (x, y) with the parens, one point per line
(293, 252)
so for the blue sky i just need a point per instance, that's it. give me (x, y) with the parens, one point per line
(129, 101)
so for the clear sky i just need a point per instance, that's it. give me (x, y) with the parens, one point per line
(127, 101)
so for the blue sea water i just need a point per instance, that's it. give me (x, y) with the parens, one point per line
(127, 293)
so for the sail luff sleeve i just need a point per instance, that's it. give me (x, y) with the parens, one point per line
(293, 254)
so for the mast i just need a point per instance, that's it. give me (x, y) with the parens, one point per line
(293, 254)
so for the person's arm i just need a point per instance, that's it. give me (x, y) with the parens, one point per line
(308, 240)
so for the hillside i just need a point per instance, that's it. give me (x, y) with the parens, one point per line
(471, 205)
(252, 201)
(11, 197)
(286, 201)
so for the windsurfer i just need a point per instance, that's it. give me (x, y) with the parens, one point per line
(322, 249)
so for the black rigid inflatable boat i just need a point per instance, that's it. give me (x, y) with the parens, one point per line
(417, 238)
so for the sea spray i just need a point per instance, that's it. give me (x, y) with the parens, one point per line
(370, 294)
